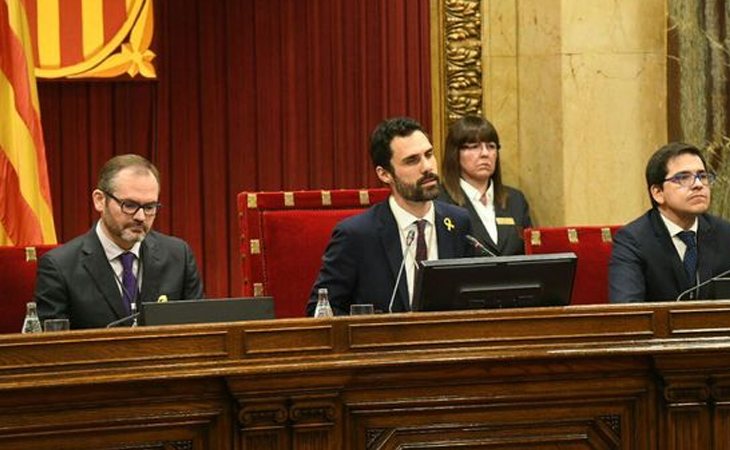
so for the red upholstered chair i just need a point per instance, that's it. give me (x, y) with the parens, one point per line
(592, 245)
(283, 237)
(17, 283)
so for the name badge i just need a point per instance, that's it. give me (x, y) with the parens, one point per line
(505, 221)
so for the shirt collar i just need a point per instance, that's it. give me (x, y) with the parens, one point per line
(111, 249)
(673, 228)
(404, 219)
(474, 194)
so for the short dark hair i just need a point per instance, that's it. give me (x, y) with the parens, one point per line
(112, 167)
(387, 130)
(470, 129)
(656, 168)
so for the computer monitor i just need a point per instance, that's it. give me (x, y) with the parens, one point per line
(494, 282)
(720, 288)
(207, 311)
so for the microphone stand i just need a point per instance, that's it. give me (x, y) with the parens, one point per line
(479, 246)
(709, 280)
(409, 240)
(123, 320)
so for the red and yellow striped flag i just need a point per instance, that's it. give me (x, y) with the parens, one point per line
(26, 217)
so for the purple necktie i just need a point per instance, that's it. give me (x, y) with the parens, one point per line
(129, 281)
(421, 250)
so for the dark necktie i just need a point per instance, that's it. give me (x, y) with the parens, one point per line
(129, 281)
(690, 255)
(421, 250)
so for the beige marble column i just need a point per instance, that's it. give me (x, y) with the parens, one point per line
(577, 90)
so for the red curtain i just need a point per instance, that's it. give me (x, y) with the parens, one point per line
(251, 95)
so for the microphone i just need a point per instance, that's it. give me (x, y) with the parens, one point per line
(708, 281)
(123, 320)
(479, 246)
(410, 237)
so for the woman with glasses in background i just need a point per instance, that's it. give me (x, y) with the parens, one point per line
(471, 178)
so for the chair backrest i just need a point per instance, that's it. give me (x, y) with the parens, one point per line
(283, 237)
(17, 283)
(592, 245)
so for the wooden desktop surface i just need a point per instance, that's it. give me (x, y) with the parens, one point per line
(646, 376)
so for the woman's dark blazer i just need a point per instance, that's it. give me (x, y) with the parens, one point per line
(511, 220)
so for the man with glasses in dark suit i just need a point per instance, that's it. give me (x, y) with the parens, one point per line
(667, 252)
(102, 276)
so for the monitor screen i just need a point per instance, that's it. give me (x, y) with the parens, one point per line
(207, 310)
(720, 288)
(494, 282)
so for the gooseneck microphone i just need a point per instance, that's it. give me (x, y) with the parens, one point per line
(124, 320)
(479, 246)
(410, 237)
(697, 286)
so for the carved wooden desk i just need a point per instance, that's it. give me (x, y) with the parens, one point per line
(650, 376)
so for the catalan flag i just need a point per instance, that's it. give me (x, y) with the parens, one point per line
(26, 217)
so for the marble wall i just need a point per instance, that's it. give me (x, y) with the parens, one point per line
(577, 90)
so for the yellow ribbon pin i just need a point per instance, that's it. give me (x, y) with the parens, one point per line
(449, 224)
(162, 299)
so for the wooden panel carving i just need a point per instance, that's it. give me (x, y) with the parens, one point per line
(588, 377)
(263, 424)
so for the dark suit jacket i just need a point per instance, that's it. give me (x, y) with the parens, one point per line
(509, 236)
(645, 265)
(76, 280)
(363, 257)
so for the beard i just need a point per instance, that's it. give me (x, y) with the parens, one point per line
(416, 192)
(130, 232)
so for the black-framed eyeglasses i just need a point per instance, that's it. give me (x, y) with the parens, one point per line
(687, 179)
(130, 208)
(477, 146)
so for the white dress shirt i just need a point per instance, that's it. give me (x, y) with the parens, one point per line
(407, 222)
(486, 214)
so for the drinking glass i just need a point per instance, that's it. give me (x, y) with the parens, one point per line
(360, 309)
(56, 325)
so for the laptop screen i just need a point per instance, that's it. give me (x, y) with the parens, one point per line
(207, 311)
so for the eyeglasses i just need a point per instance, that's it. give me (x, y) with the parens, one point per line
(130, 208)
(477, 146)
(687, 179)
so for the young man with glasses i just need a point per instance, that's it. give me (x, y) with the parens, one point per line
(102, 276)
(674, 247)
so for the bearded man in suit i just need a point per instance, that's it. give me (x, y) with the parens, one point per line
(363, 258)
(102, 276)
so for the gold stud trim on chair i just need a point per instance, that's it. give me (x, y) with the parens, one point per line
(572, 235)
(535, 238)
(258, 289)
(364, 198)
(326, 198)
(288, 199)
(251, 201)
(30, 254)
(606, 234)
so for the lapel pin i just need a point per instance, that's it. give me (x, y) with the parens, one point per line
(448, 223)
